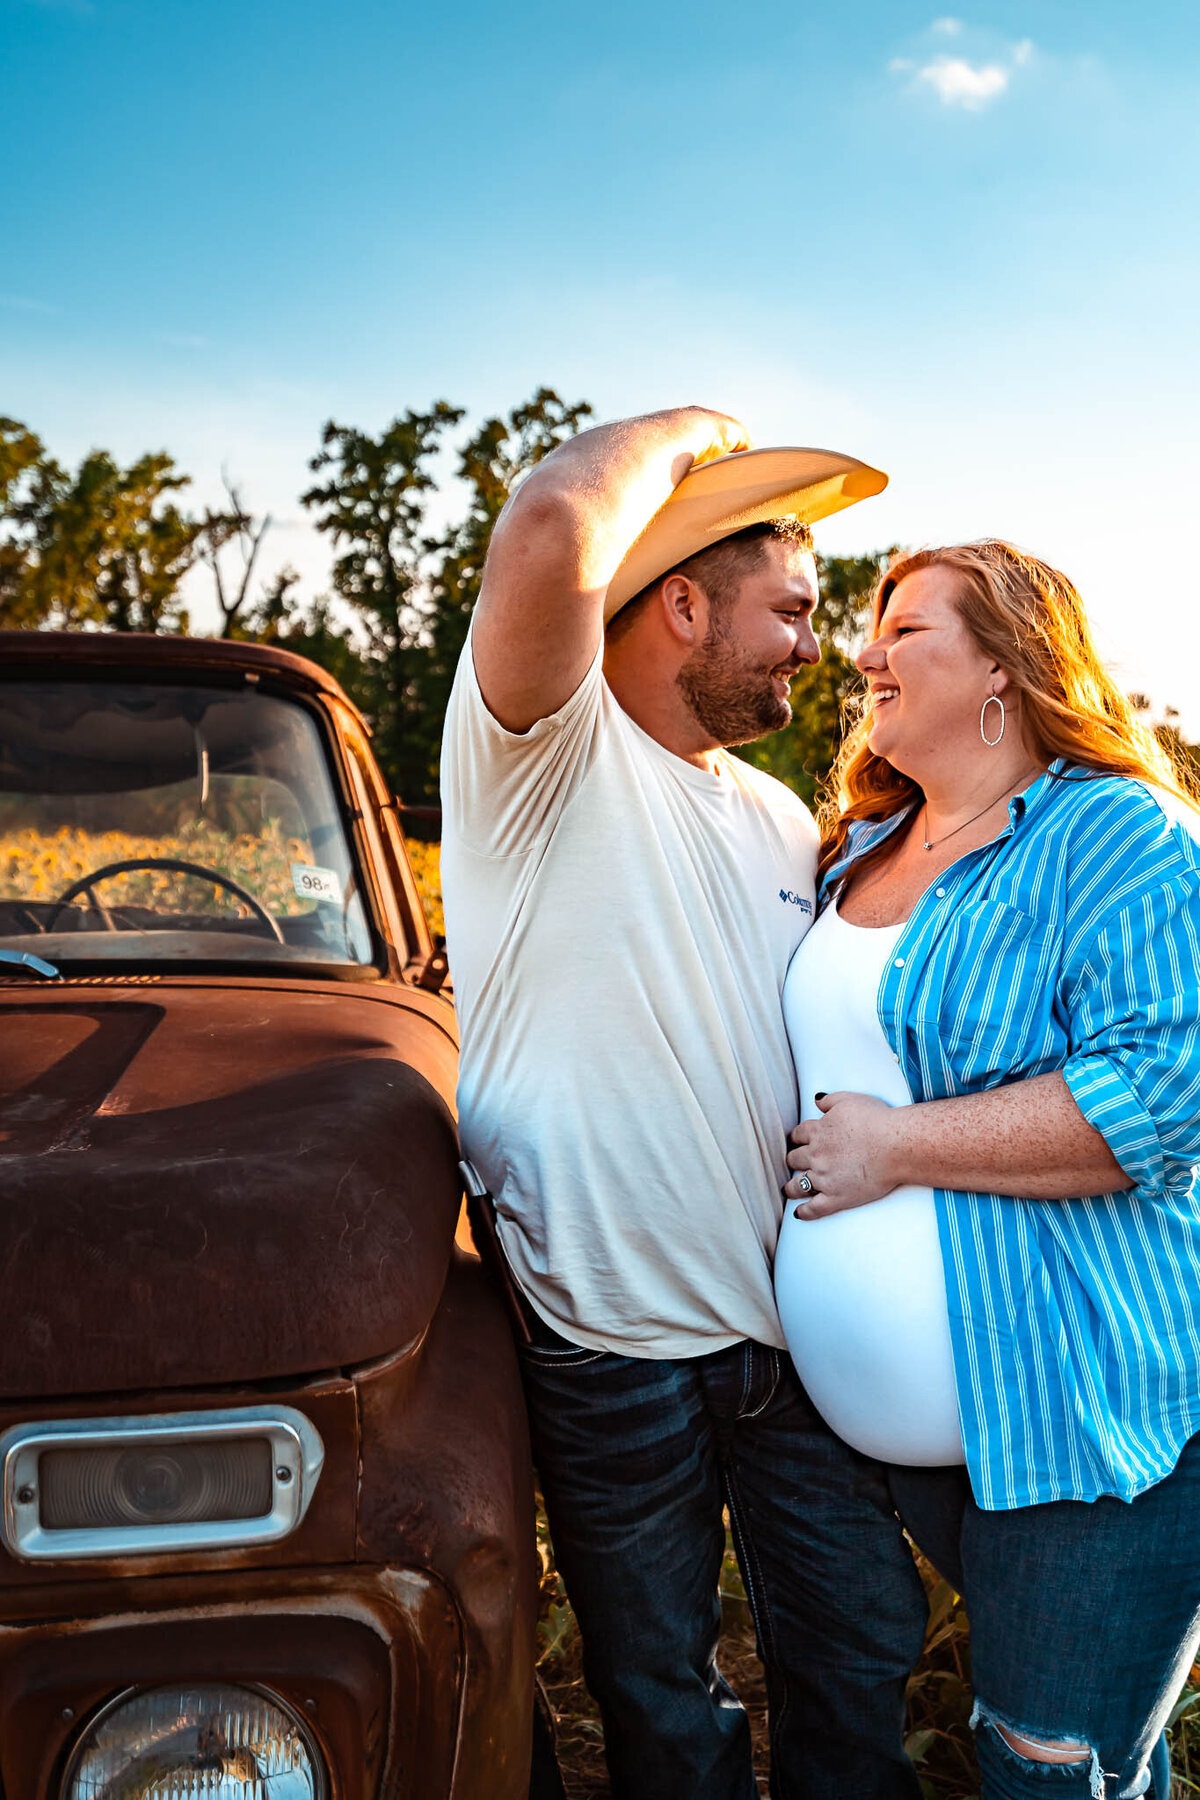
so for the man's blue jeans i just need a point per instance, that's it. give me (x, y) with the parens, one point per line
(1085, 1618)
(637, 1460)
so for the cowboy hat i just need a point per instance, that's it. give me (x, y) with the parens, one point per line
(717, 498)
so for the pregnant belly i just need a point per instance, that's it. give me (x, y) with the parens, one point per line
(863, 1305)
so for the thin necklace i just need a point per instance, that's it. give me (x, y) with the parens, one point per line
(931, 844)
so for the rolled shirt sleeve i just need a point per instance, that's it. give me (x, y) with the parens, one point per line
(1134, 1011)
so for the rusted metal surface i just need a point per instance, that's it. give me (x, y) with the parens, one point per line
(378, 1653)
(217, 1190)
(44, 652)
(326, 1535)
(449, 1488)
(212, 1187)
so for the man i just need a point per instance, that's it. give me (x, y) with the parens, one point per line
(622, 901)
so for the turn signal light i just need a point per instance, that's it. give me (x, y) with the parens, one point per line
(148, 1486)
(155, 1484)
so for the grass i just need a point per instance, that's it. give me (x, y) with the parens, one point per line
(938, 1737)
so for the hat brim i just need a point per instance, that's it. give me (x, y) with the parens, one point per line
(717, 498)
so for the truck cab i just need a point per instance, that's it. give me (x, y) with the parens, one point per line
(265, 1506)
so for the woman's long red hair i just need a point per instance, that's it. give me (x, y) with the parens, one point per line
(1028, 618)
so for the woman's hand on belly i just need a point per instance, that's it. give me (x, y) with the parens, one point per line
(848, 1155)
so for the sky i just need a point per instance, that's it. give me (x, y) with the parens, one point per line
(963, 246)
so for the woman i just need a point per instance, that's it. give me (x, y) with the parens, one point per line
(1012, 896)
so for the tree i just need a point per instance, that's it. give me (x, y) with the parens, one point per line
(22, 455)
(312, 630)
(372, 504)
(413, 592)
(239, 528)
(823, 698)
(491, 463)
(1184, 756)
(106, 546)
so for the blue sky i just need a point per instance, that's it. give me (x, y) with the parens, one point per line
(962, 245)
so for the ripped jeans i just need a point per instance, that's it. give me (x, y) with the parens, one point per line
(1085, 1619)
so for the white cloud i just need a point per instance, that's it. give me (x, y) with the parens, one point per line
(959, 80)
(956, 82)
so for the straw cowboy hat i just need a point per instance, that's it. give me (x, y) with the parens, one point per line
(717, 498)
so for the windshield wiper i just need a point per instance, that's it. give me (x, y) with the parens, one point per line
(34, 963)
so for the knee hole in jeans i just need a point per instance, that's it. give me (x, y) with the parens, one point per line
(1048, 1750)
(1057, 1757)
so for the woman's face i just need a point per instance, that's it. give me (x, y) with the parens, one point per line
(927, 677)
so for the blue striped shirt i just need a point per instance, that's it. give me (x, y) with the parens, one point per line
(1070, 942)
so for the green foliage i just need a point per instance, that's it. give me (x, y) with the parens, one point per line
(372, 504)
(822, 697)
(1185, 756)
(494, 459)
(105, 546)
(411, 591)
(21, 455)
(110, 546)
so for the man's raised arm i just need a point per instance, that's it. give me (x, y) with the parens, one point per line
(559, 542)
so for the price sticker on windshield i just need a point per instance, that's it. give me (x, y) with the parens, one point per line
(312, 883)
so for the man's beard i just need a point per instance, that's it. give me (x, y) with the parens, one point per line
(733, 701)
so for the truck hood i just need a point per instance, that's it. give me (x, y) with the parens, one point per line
(208, 1184)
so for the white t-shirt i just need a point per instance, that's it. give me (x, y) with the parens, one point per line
(619, 925)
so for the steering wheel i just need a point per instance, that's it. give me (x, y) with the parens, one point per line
(85, 882)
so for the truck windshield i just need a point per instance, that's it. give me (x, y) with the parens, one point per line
(168, 824)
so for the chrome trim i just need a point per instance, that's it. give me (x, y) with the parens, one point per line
(475, 1186)
(295, 1447)
(258, 1689)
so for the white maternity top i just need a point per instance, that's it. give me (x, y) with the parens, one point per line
(861, 1294)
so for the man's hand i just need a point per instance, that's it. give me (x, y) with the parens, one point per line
(728, 435)
(847, 1154)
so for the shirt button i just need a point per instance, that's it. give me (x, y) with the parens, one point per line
(895, 1056)
(899, 962)
(940, 892)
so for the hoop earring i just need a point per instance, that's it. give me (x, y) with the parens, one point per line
(992, 700)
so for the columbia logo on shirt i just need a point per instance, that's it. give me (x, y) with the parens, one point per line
(795, 900)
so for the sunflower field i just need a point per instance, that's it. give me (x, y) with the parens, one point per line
(39, 865)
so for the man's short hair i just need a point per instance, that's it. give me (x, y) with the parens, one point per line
(721, 568)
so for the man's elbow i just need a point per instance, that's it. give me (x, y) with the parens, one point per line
(544, 510)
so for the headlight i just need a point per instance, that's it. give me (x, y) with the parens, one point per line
(150, 1485)
(201, 1742)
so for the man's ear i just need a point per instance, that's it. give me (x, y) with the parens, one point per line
(684, 609)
